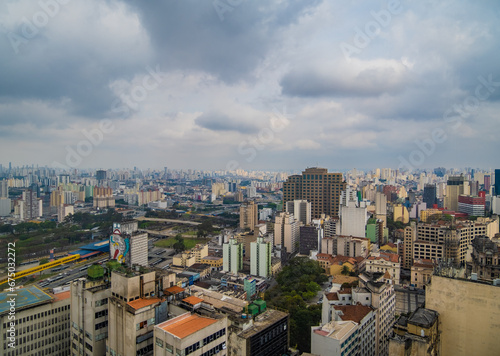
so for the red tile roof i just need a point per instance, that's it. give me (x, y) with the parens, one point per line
(174, 290)
(143, 302)
(183, 326)
(331, 296)
(355, 313)
(192, 300)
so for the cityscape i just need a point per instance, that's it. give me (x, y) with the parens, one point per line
(240, 178)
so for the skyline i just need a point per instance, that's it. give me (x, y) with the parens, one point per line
(276, 86)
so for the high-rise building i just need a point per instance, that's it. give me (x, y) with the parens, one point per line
(232, 254)
(134, 308)
(430, 195)
(39, 325)
(32, 207)
(248, 215)
(4, 188)
(308, 239)
(129, 246)
(5, 206)
(454, 188)
(471, 205)
(353, 220)
(487, 182)
(260, 258)
(89, 312)
(286, 232)
(103, 197)
(100, 175)
(317, 186)
(497, 181)
(301, 210)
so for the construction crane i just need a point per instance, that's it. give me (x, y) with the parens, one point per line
(43, 267)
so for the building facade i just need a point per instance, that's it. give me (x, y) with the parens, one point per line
(317, 186)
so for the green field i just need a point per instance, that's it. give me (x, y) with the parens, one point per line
(189, 243)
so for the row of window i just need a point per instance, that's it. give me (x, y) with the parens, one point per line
(40, 315)
(55, 350)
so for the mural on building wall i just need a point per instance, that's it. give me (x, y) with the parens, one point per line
(119, 245)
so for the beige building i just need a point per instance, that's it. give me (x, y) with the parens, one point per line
(286, 232)
(103, 198)
(249, 215)
(41, 322)
(485, 258)
(454, 188)
(134, 308)
(213, 261)
(386, 263)
(89, 316)
(425, 214)
(191, 334)
(421, 272)
(64, 210)
(468, 316)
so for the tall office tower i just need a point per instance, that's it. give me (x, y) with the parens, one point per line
(497, 182)
(308, 239)
(100, 175)
(41, 325)
(317, 186)
(260, 258)
(4, 188)
(454, 188)
(32, 205)
(430, 195)
(249, 215)
(409, 239)
(89, 312)
(232, 254)
(352, 217)
(286, 232)
(487, 182)
(134, 308)
(301, 210)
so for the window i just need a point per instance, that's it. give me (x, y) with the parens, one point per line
(169, 347)
(159, 342)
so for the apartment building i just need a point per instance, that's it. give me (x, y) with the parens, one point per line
(41, 323)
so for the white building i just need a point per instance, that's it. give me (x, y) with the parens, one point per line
(232, 254)
(301, 210)
(286, 232)
(351, 331)
(353, 220)
(5, 206)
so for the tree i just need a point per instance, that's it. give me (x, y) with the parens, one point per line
(43, 261)
(345, 270)
(179, 245)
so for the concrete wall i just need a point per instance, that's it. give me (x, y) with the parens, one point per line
(469, 314)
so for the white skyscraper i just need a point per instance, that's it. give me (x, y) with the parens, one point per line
(260, 258)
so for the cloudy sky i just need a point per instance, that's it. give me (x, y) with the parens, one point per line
(271, 84)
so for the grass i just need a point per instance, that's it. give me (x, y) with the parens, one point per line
(189, 243)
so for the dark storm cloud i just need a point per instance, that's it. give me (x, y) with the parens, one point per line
(221, 122)
(190, 34)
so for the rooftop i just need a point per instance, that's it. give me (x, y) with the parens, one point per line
(355, 313)
(423, 317)
(25, 297)
(192, 300)
(143, 302)
(174, 290)
(62, 296)
(263, 321)
(336, 329)
(186, 324)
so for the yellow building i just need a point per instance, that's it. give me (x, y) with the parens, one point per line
(213, 261)
(421, 272)
(390, 247)
(401, 214)
(468, 316)
(425, 214)
(417, 335)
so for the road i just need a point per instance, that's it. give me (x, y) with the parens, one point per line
(142, 218)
